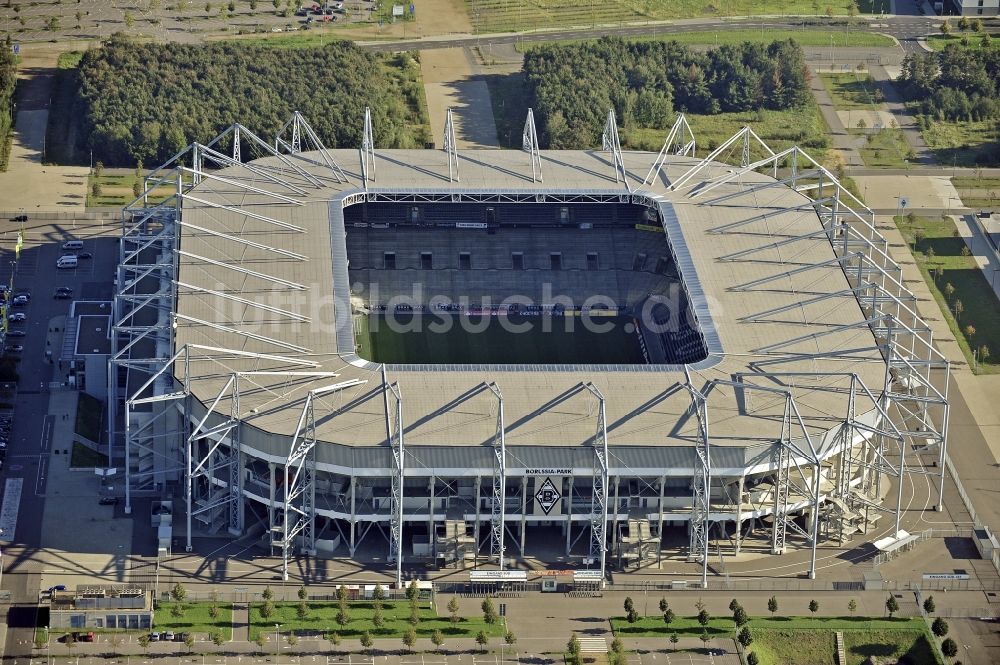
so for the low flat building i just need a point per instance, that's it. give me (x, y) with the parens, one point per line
(113, 606)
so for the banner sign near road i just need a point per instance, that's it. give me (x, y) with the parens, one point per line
(946, 576)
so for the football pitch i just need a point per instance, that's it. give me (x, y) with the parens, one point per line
(442, 338)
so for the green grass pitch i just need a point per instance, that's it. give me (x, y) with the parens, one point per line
(437, 338)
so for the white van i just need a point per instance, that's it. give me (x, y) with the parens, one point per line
(66, 262)
(72, 244)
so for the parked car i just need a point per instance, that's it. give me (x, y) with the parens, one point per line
(58, 587)
(109, 500)
(17, 317)
(180, 637)
(62, 295)
(20, 301)
(154, 637)
(84, 637)
(168, 636)
(85, 255)
(14, 348)
(16, 333)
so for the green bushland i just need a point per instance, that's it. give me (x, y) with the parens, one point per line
(571, 87)
(8, 81)
(818, 646)
(981, 309)
(321, 619)
(973, 41)
(954, 93)
(137, 102)
(195, 618)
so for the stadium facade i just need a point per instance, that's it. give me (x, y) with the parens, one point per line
(792, 392)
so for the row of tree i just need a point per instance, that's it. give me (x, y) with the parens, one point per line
(8, 79)
(953, 84)
(571, 87)
(145, 102)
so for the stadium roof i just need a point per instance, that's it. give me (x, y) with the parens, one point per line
(257, 267)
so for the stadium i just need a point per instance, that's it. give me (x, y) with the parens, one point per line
(585, 359)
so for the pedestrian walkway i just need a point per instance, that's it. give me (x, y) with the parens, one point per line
(241, 623)
(894, 104)
(593, 644)
(842, 140)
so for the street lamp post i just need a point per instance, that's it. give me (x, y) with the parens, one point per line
(277, 646)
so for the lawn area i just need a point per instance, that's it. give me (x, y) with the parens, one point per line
(321, 619)
(807, 641)
(806, 37)
(802, 126)
(520, 15)
(978, 192)
(974, 41)
(83, 457)
(117, 189)
(653, 626)
(849, 91)
(89, 416)
(969, 143)
(195, 619)
(981, 308)
(887, 148)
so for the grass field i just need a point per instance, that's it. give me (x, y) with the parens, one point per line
(981, 308)
(443, 338)
(973, 41)
(195, 618)
(520, 15)
(322, 615)
(968, 143)
(978, 192)
(886, 148)
(117, 189)
(735, 35)
(849, 91)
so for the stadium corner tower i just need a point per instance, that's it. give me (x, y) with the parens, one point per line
(517, 358)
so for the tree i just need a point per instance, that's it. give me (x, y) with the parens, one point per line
(509, 638)
(704, 637)
(813, 606)
(143, 641)
(573, 648)
(378, 618)
(986, 41)
(489, 611)
(946, 27)
(292, 639)
(333, 637)
(189, 642)
(674, 639)
(939, 627)
(213, 611)
(115, 640)
(733, 604)
(342, 618)
(52, 24)
(453, 610)
(218, 639)
(267, 610)
(437, 639)
(977, 25)
(929, 605)
(668, 616)
(703, 617)
(412, 592)
(410, 638)
(366, 637)
(984, 353)
(629, 605)
(415, 615)
(963, 23)
(740, 617)
(829, 11)
(378, 593)
(966, 251)
(745, 637)
(261, 640)
(177, 610)
(208, 7)
(276, 3)
(772, 605)
(253, 5)
(303, 593)
(664, 605)
(930, 253)
(268, 594)
(482, 639)
(231, 6)
(852, 606)
(178, 593)
(752, 659)
(949, 290)
(302, 610)
(959, 309)
(891, 605)
(970, 331)
(617, 652)
(949, 647)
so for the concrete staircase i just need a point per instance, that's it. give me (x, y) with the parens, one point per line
(841, 651)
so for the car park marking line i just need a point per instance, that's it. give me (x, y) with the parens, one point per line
(40, 478)
(45, 442)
